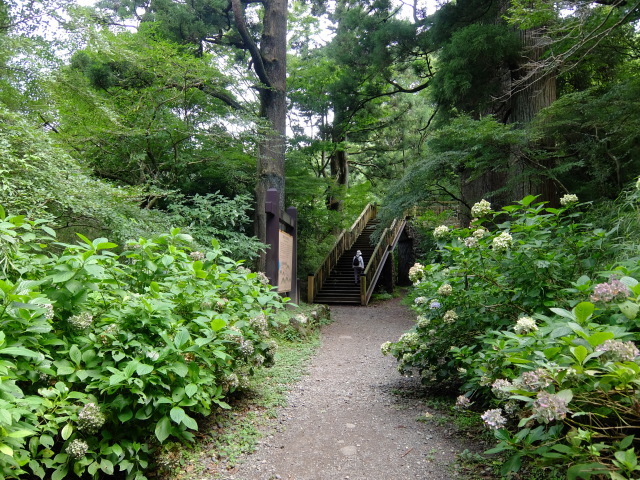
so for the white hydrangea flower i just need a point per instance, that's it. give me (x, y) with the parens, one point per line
(196, 256)
(258, 360)
(153, 355)
(416, 272)
(481, 208)
(246, 347)
(462, 403)
(420, 300)
(262, 278)
(445, 290)
(410, 338)
(441, 231)
(568, 199)
(260, 323)
(502, 242)
(385, 348)
(501, 388)
(48, 311)
(77, 448)
(90, 418)
(525, 325)
(231, 381)
(81, 321)
(450, 316)
(471, 242)
(422, 321)
(479, 233)
(494, 419)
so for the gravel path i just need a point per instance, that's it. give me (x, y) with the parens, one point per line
(353, 416)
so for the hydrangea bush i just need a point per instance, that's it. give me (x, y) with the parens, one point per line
(568, 388)
(551, 361)
(505, 265)
(105, 355)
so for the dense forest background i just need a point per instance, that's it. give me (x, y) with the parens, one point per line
(127, 118)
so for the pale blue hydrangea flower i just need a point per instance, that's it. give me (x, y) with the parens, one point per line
(494, 419)
(548, 407)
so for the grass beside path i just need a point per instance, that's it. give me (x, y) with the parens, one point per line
(228, 434)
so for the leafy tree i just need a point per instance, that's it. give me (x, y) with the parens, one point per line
(260, 34)
(494, 58)
(347, 89)
(40, 179)
(143, 112)
(27, 48)
(595, 135)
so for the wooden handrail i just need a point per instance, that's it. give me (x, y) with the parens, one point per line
(344, 242)
(386, 244)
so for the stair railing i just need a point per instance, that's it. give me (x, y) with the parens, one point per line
(344, 242)
(388, 240)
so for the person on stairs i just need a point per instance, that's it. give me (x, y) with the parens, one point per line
(358, 266)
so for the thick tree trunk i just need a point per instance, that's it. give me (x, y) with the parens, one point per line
(339, 167)
(528, 90)
(273, 108)
(533, 90)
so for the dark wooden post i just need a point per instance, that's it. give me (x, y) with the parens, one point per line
(294, 294)
(272, 207)
(388, 273)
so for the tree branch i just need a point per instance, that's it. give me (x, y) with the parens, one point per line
(452, 195)
(238, 15)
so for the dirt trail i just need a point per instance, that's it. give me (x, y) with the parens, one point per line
(344, 421)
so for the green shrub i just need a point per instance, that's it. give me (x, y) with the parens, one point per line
(508, 263)
(104, 356)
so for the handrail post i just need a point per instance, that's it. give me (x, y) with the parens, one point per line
(310, 288)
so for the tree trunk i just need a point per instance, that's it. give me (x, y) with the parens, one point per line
(273, 108)
(529, 90)
(339, 165)
(533, 89)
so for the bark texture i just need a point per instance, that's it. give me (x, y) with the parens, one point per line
(270, 65)
(533, 89)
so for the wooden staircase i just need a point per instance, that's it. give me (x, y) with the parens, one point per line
(333, 282)
(340, 286)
